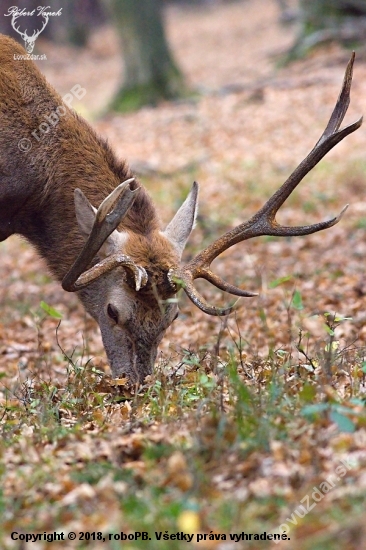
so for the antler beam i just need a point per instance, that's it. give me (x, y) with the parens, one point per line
(264, 222)
(107, 218)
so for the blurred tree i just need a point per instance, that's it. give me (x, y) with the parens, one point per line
(79, 18)
(328, 20)
(150, 71)
(287, 13)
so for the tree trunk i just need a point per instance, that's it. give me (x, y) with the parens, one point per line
(150, 72)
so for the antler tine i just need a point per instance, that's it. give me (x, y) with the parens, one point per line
(264, 222)
(108, 216)
(343, 102)
(22, 34)
(101, 268)
(329, 138)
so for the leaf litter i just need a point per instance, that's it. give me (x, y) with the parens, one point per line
(249, 413)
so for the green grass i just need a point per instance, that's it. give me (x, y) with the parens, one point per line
(212, 427)
(219, 440)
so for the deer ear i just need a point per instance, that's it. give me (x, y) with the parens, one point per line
(85, 215)
(179, 229)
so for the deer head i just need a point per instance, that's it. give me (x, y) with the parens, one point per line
(128, 291)
(29, 41)
(128, 282)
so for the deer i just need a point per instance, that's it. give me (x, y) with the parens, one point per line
(98, 229)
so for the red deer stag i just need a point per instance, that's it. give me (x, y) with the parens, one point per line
(123, 266)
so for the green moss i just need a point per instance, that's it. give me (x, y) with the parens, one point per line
(131, 98)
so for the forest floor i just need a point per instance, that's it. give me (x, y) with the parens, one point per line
(246, 418)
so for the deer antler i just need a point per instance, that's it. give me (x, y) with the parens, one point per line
(264, 221)
(107, 218)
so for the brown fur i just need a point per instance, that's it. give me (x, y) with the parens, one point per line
(149, 250)
(37, 201)
(36, 187)
(156, 255)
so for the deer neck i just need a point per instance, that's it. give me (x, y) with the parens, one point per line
(48, 218)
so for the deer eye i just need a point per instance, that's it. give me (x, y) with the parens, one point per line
(112, 313)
